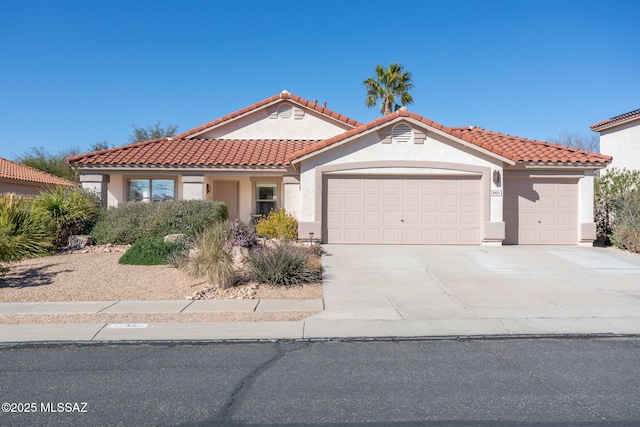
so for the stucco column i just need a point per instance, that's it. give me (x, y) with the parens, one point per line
(494, 229)
(291, 193)
(193, 187)
(587, 227)
(96, 184)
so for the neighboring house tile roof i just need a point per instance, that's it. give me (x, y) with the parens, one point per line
(512, 147)
(284, 95)
(617, 120)
(19, 172)
(195, 152)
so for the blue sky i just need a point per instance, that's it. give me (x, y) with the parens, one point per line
(76, 72)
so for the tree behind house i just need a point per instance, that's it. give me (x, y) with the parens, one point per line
(55, 164)
(390, 85)
(151, 132)
(579, 140)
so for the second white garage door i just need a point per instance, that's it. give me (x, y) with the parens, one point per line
(541, 211)
(390, 210)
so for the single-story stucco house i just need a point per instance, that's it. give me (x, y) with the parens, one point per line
(400, 179)
(620, 138)
(16, 178)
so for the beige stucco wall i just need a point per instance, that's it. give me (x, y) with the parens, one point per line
(623, 143)
(262, 125)
(292, 194)
(116, 192)
(9, 186)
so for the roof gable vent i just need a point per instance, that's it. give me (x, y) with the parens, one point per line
(285, 112)
(401, 133)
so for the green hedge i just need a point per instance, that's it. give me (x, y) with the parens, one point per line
(133, 221)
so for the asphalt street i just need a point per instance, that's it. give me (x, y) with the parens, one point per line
(500, 382)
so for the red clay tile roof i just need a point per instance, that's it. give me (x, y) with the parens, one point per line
(531, 151)
(20, 172)
(631, 115)
(195, 152)
(512, 147)
(294, 98)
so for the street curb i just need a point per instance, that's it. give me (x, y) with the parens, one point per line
(501, 337)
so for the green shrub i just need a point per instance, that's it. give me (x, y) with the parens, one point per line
(67, 211)
(626, 228)
(278, 225)
(611, 188)
(132, 221)
(210, 260)
(22, 235)
(284, 264)
(150, 252)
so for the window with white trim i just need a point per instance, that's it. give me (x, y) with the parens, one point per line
(266, 197)
(150, 190)
(401, 133)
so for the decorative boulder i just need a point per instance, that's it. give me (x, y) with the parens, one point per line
(170, 238)
(79, 241)
(239, 254)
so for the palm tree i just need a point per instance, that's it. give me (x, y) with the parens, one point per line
(390, 83)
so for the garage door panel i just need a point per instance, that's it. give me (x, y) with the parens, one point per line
(449, 218)
(566, 202)
(430, 219)
(353, 200)
(469, 201)
(353, 234)
(391, 235)
(411, 184)
(372, 218)
(411, 201)
(391, 200)
(429, 201)
(372, 200)
(391, 218)
(372, 184)
(404, 210)
(469, 218)
(469, 236)
(353, 217)
(353, 184)
(450, 201)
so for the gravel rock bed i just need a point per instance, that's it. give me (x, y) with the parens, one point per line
(93, 274)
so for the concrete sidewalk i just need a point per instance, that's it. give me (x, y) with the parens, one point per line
(400, 291)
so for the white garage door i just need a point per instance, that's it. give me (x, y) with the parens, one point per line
(385, 210)
(541, 211)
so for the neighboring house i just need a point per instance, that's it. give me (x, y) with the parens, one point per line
(620, 138)
(400, 179)
(20, 179)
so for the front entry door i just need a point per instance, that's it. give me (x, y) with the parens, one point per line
(227, 191)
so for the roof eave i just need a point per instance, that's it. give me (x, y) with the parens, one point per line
(607, 124)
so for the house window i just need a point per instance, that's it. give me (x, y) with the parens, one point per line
(147, 190)
(266, 197)
(401, 133)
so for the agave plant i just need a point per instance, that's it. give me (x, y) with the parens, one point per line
(67, 211)
(22, 235)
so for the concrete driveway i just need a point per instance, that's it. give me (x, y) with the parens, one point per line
(492, 290)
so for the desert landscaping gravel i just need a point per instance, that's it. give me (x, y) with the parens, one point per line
(97, 276)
